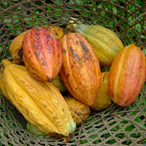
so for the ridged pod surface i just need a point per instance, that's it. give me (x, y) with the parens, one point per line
(39, 102)
(42, 54)
(59, 32)
(127, 75)
(4, 63)
(80, 71)
(16, 50)
(103, 99)
(79, 111)
(104, 41)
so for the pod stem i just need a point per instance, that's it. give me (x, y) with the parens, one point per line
(73, 24)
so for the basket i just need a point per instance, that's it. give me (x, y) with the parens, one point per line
(113, 126)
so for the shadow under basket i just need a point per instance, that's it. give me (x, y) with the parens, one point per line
(113, 126)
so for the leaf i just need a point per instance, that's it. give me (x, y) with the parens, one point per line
(59, 1)
(70, 2)
(79, 1)
(137, 119)
(16, 16)
(5, 4)
(129, 128)
(144, 50)
(7, 20)
(139, 2)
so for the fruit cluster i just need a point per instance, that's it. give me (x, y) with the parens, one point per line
(59, 74)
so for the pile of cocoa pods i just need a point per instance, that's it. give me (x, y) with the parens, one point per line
(57, 75)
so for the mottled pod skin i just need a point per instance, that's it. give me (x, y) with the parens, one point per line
(79, 111)
(127, 75)
(80, 71)
(59, 32)
(16, 50)
(42, 54)
(103, 40)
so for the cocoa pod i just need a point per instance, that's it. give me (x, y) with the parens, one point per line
(103, 99)
(39, 102)
(80, 71)
(127, 75)
(79, 111)
(16, 49)
(104, 41)
(42, 54)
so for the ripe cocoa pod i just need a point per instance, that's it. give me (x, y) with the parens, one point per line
(42, 54)
(58, 32)
(79, 111)
(103, 99)
(80, 71)
(16, 49)
(127, 75)
(103, 40)
(4, 63)
(39, 102)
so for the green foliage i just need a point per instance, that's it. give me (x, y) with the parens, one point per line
(83, 141)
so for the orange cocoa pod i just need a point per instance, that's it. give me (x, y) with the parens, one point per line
(127, 75)
(42, 54)
(16, 50)
(80, 70)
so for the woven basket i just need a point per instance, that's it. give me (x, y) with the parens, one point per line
(113, 126)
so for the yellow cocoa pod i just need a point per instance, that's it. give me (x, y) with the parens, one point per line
(4, 63)
(59, 32)
(39, 102)
(80, 112)
(15, 48)
(103, 99)
(2, 86)
(104, 41)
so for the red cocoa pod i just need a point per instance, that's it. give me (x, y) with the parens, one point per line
(80, 70)
(127, 75)
(42, 54)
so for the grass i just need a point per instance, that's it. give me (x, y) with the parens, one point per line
(104, 19)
